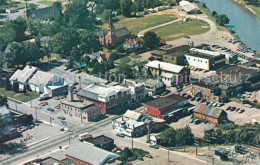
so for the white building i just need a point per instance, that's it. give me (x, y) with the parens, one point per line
(168, 79)
(23, 76)
(40, 81)
(205, 59)
(188, 7)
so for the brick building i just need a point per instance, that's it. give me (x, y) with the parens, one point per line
(166, 108)
(105, 96)
(113, 36)
(211, 114)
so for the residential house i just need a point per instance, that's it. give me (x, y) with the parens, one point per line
(105, 96)
(113, 36)
(211, 114)
(85, 154)
(40, 80)
(138, 90)
(157, 68)
(136, 124)
(166, 108)
(131, 44)
(205, 59)
(84, 110)
(153, 86)
(23, 76)
(41, 12)
(105, 55)
(95, 55)
(5, 116)
(102, 141)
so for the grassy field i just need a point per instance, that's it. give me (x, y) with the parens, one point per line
(123, 60)
(54, 56)
(48, 3)
(136, 25)
(179, 29)
(256, 9)
(19, 96)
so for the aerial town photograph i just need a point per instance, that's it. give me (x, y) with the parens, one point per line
(130, 82)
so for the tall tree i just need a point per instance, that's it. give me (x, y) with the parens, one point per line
(16, 86)
(65, 40)
(126, 6)
(89, 43)
(222, 19)
(18, 27)
(151, 40)
(17, 55)
(58, 6)
(105, 15)
(2, 2)
(33, 52)
(8, 86)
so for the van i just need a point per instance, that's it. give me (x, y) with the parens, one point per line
(44, 96)
(84, 136)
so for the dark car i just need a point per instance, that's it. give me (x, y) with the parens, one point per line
(50, 109)
(120, 135)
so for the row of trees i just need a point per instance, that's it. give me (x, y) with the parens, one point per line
(178, 137)
(231, 134)
(221, 19)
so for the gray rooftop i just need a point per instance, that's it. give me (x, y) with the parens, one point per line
(4, 110)
(89, 153)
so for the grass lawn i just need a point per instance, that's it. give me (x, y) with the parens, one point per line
(256, 9)
(123, 60)
(138, 24)
(19, 96)
(135, 56)
(48, 3)
(179, 29)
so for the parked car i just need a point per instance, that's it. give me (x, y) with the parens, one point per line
(50, 109)
(197, 121)
(120, 135)
(140, 158)
(61, 117)
(241, 111)
(192, 99)
(154, 146)
(188, 37)
(148, 156)
(192, 120)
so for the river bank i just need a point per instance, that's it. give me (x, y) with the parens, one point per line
(242, 3)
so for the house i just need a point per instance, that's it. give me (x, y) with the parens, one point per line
(189, 7)
(211, 114)
(103, 142)
(23, 76)
(85, 153)
(5, 116)
(205, 59)
(92, 6)
(157, 68)
(113, 36)
(152, 86)
(135, 124)
(105, 55)
(41, 12)
(166, 108)
(138, 90)
(85, 110)
(131, 44)
(40, 80)
(105, 96)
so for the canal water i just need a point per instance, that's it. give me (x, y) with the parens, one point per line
(245, 23)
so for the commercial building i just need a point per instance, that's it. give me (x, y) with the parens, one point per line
(250, 77)
(138, 90)
(113, 36)
(84, 153)
(166, 108)
(41, 80)
(152, 86)
(205, 59)
(158, 68)
(189, 8)
(105, 96)
(84, 110)
(216, 88)
(102, 141)
(211, 114)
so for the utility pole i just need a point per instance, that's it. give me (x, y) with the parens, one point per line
(15, 105)
(36, 108)
(168, 155)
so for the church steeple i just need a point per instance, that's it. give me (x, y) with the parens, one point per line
(110, 23)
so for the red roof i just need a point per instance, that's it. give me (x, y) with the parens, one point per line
(131, 41)
(105, 54)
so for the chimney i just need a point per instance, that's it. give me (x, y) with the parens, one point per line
(70, 93)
